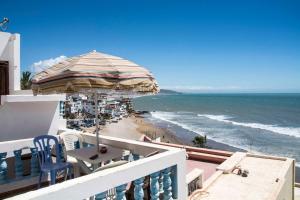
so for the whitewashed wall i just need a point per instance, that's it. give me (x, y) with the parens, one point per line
(10, 51)
(20, 120)
(21, 114)
(285, 188)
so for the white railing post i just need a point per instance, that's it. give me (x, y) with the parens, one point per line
(181, 176)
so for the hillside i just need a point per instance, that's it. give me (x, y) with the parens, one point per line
(165, 91)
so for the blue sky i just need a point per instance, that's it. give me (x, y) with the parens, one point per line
(204, 45)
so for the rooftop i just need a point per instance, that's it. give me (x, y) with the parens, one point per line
(266, 176)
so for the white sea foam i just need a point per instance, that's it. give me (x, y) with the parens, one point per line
(174, 117)
(291, 131)
(168, 117)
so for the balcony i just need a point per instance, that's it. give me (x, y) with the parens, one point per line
(163, 169)
(157, 171)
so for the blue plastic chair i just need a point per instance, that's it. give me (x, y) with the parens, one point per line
(43, 143)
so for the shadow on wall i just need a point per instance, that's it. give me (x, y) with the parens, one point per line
(28, 119)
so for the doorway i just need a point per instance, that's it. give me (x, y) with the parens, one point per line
(4, 78)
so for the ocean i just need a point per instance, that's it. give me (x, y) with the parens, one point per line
(259, 123)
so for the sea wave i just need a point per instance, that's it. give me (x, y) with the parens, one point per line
(291, 131)
(173, 117)
(168, 117)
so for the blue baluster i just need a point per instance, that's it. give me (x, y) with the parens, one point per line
(35, 169)
(138, 189)
(3, 168)
(120, 190)
(101, 196)
(126, 158)
(174, 182)
(154, 186)
(18, 163)
(167, 184)
(161, 184)
(136, 156)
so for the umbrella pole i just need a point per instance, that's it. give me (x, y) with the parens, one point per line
(97, 121)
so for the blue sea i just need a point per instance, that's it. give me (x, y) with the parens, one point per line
(263, 123)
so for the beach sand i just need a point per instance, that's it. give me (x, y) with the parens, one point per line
(153, 132)
(125, 128)
(134, 128)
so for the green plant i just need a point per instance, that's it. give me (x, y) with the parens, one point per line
(200, 141)
(26, 80)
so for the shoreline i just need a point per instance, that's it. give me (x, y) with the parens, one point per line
(150, 130)
(186, 138)
(173, 137)
(134, 127)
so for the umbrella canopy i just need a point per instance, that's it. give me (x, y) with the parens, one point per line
(97, 73)
(94, 70)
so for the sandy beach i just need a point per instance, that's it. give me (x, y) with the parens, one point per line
(134, 128)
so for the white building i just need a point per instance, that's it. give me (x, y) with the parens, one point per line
(34, 115)
(88, 106)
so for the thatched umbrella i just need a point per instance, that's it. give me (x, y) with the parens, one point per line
(95, 73)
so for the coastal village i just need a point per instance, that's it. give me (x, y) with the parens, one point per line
(80, 110)
(98, 147)
(115, 113)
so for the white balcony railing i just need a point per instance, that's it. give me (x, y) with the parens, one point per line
(168, 165)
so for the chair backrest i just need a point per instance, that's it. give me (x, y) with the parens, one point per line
(43, 143)
(70, 140)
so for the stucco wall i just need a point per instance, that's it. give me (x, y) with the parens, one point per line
(286, 189)
(20, 120)
(10, 51)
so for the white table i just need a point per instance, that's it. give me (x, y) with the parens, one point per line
(83, 155)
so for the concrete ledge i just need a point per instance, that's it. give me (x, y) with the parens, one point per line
(193, 149)
(195, 173)
(206, 157)
(31, 98)
(231, 162)
(21, 92)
